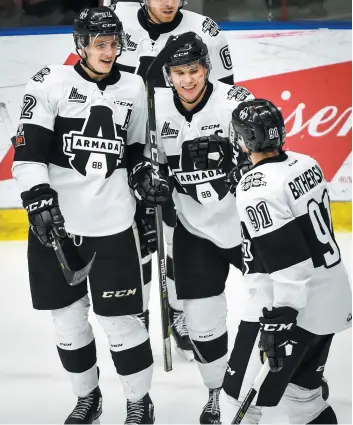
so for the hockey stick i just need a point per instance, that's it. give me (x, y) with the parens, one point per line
(252, 393)
(154, 70)
(72, 277)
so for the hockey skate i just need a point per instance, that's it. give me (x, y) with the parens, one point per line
(180, 334)
(140, 412)
(88, 409)
(211, 412)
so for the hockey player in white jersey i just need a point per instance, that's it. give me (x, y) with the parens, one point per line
(299, 290)
(192, 123)
(148, 26)
(79, 144)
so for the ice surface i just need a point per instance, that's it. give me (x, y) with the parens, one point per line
(35, 389)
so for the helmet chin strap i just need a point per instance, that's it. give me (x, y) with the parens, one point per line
(150, 16)
(86, 65)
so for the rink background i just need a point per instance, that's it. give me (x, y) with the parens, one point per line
(35, 389)
(33, 385)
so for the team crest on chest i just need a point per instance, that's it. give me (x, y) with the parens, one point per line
(97, 148)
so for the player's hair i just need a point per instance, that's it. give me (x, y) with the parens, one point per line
(258, 125)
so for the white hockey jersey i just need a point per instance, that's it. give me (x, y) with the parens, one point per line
(73, 134)
(202, 200)
(143, 42)
(290, 255)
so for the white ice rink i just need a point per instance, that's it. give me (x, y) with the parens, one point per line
(35, 389)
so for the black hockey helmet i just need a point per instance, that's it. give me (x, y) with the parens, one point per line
(195, 51)
(97, 21)
(258, 125)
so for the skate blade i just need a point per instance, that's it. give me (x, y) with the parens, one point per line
(96, 421)
(187, 354)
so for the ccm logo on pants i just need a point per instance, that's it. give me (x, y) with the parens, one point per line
(118, 294)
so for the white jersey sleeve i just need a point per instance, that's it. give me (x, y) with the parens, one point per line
(35, 131)
(220, 55)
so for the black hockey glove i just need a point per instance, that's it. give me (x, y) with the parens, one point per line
(210, 152)
(41, 203)
(233, 178)
(140, 181)
(276, 327)
(146, 225)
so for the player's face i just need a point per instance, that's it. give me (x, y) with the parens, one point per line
(189, 80)
(102, 52)
(162, 11)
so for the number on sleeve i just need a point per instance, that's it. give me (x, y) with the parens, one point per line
(226, 58)
(29, 102)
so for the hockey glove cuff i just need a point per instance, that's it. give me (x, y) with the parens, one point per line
(276, 328)
(233, 178)
(41, 203)
(146, 225)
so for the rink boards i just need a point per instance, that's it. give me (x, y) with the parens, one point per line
(305, 72)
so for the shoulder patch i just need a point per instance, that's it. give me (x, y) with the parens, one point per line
(20, 138)
(211, 27)
(40, 76)
(255, 179)
(129, 44)
(238, 93)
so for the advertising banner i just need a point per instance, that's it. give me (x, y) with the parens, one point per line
(308, 74)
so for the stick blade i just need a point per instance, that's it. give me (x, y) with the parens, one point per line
(80, 275)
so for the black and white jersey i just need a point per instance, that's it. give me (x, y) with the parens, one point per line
(202, 199)
(290, 255)
(74, 134)
(144, 41)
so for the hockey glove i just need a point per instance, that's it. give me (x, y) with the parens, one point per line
(146, 226)
(210, 152)
(233, 178)
(276, 327)
(41, 203)
(140, 181)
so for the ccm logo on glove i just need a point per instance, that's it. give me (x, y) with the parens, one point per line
(275, 327)
(37, 205)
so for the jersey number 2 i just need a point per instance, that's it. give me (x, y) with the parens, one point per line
(29, 102)
(324, 230)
